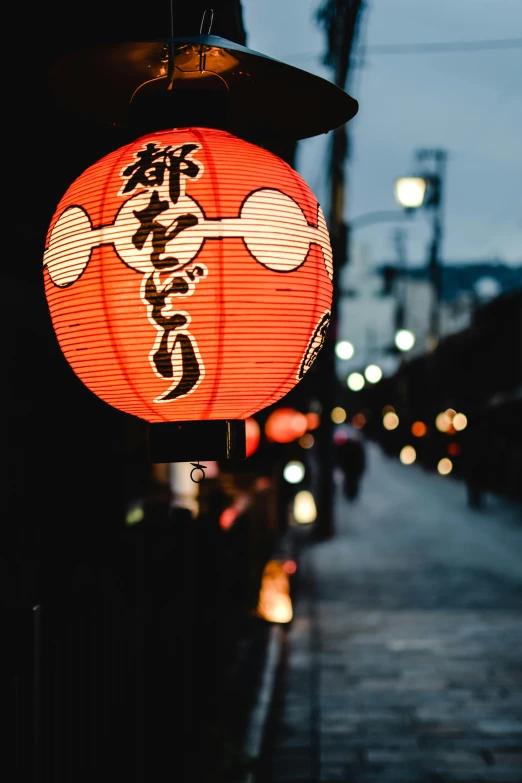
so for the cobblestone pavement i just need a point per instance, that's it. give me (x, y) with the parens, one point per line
(403, 662)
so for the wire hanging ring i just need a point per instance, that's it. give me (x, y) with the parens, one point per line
(211, 10)
(197, 467)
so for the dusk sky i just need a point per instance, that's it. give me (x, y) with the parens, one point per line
(467, 102)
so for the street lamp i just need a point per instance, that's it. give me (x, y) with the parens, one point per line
(410, 191)
(404, 340)
(426, 190)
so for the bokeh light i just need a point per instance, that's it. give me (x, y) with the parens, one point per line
(459, 422)
(355, 381)
(338, 415)
(294, 472)
(307, 440)
(290, 567)
(373, 373)
(404, 340)
(419, 429)
(388, 409)
(285, 425)
(390, 421)
(344, 349)
(454, 449)
(445, 466)
(252, 434)
(358, 421)
(443, 422)
(313, 420)
(340, 436)
(408, 455)
(305, 510)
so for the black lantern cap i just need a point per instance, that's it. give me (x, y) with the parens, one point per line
(117, 83)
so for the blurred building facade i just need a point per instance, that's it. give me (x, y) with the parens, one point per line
(379, 298)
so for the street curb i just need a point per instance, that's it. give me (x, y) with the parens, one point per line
(258, 717)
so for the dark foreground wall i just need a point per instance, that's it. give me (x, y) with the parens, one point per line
(136, 626)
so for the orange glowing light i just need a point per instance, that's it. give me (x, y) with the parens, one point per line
(419, 429)
(274, 603)
(313, 419)
(227, 518)
(229, 515)
(285, 425)
(253, 435)
(167, 267)
(359, 420)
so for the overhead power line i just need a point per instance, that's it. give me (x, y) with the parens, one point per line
(441, 47)
(451, 46)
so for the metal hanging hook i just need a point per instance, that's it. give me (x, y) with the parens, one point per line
(207, 10)
(201, 469)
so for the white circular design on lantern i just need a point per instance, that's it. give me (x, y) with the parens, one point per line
(276, 231)
(271, 224)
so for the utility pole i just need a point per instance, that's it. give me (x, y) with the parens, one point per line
(401, 284)
(340, 19)
(434, 201)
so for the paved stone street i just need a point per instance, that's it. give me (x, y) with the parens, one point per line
(404, 660)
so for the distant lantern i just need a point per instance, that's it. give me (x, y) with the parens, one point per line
(285, 425)
(189, 277)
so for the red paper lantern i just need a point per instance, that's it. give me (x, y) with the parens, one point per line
(188, 276)
(285, 425)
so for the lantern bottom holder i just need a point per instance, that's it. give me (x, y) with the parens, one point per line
(195, 441)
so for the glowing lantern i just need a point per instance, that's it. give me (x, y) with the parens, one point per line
(188, 275)
(253, 435)
(274, 603)
(285, 425)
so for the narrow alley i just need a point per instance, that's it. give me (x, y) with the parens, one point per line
(403, 661)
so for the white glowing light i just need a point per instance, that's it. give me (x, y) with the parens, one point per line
(390, 421)
(443, 422)
(344, 349)
(305, 511)
(408, 455)
(404, 340)
(409, 191)
(445, 466)
(294, 472)
(355, 381)
(460, 422)
(373, 373)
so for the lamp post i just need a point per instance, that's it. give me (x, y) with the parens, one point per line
(426, 190)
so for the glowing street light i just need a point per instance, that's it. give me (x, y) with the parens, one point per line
(373, 373)
(294, 472)
(404, 340)
(344, 349)
(410, 191)
(355, 381)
